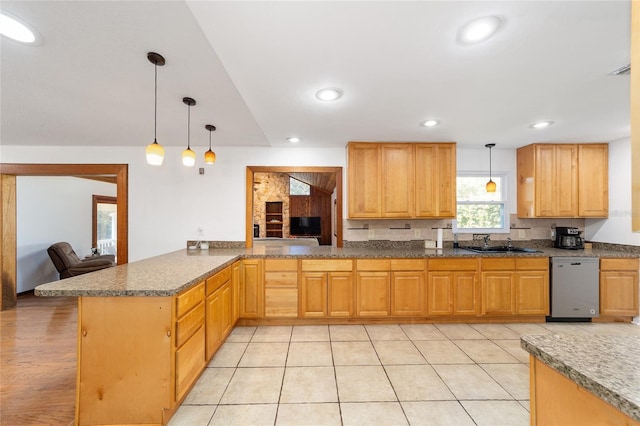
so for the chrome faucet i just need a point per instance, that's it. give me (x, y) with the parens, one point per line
(486, 239)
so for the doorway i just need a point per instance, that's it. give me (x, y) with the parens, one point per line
(335, 172)
(8, 242)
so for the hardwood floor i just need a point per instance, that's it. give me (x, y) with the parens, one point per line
(38, 351)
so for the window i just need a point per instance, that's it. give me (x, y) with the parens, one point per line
(480, 211)
(298, 188)
(105, 224)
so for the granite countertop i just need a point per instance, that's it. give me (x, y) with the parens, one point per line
(606, 365)
(168, 274)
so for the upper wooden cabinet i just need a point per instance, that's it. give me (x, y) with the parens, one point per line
(564, 180)
(401, 180)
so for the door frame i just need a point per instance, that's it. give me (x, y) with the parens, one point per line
(8, 239)
(251, 170)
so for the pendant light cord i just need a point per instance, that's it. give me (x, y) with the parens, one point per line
(209, 140)
(155, 105)
(189, 128)
(490, 162)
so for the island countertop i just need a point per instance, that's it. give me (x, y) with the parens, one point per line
(608, 366)
(169, 274)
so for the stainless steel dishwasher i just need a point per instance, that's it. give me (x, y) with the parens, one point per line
(575, 288)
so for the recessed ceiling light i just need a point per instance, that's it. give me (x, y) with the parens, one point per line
(541, 124)
(294, 139)
(479, 29)
(430, 123)
(17, 30)
(329, 94)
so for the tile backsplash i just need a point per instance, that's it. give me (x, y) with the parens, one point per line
(408, 230)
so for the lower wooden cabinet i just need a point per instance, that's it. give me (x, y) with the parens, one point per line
(452, 287)
(407, 293)
(515, 286)
(252, 288)
(618, 287)
(326, 288)
(190, 340)
(235, 292)
(372, 294)
(281, 288)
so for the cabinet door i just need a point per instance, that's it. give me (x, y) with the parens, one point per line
(567, 180)
(313, 294)
(465, 293)
(545, 179)
(440, 293)
(498, 295)
(252, 289)
(281, 293)
(364, 180)
(398, 180)
(532, 289)
(214, 322)
(340, 294)
(235, 292)
(593, 180)
(190, 360)
(435, 180)
(619, 293)
(227, 316)
(372, 294)
(407, 293)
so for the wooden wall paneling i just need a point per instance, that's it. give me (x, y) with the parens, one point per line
(8, 263)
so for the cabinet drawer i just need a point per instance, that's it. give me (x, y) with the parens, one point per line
(618, 264)
(216, 281)
(189, 324)
(407, 264)
(373, 264)
(326, 265)
(189, 362)
(281, 279)
(499, 264)
(280, 265)
(188, 299)
(281, 302)
(532, 263)
(453, 264)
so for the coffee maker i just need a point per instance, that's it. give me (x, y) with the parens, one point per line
(568, 237)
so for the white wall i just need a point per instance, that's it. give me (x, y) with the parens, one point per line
(52, 209)
(617, 228)
(167, 204)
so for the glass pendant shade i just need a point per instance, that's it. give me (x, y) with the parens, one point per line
(491, 186)
(155, 154)
(209, 157)
(188, 157)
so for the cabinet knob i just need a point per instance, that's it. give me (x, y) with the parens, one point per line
(84, 333)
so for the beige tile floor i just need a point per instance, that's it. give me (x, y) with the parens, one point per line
(418, 374)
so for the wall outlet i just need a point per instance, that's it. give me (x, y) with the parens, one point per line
(416, 233)
(429, 244)
(371, 234)
(521, 235)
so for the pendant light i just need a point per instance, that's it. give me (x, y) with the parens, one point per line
(210, 156)
(491, 185)
(155, 151)
(188, 156)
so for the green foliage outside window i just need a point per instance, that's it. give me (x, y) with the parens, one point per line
(477, 208)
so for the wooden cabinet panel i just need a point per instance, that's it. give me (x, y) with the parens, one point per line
(398, 181)
(435, 180)
(281, 288)
(593, 167)
(372, 294)
(190, 360)
(373, 264)
(440, 293)
(532, 293)
(252, 289)
(214, 332)
(407, 293)
(466, 300)
(316, 265)
(563, 180)
(407, 264)
(619, 287)
(340, 295)
(452, 293)
(498, 293)
(217, 280)
(313, 294)
(235, 292)
(188, 299)
(364, 180)
(187, 325)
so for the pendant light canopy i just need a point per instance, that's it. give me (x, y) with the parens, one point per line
(491, 185)
(188, 156)
(155, 151)
(210, 156)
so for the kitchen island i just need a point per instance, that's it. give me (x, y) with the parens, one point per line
(584, 380)
(147, 329)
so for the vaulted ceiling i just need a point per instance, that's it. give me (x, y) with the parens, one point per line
(254, 67)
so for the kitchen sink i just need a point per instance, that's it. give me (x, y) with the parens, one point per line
(500, 249)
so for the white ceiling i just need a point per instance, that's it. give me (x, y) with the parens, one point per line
(253, 68)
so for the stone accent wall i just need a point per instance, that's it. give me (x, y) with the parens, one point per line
(270, 187)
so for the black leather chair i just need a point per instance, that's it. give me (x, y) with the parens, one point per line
(69, 264)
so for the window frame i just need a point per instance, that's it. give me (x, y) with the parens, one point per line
(504, 190)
